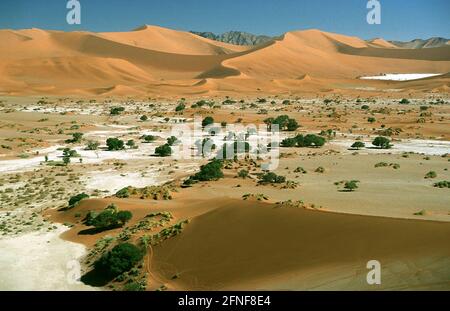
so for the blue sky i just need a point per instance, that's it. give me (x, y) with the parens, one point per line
(401, 19)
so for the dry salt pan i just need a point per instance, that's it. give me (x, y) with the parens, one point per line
(402, 76)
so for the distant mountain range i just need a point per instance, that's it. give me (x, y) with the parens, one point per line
(245, 38)
(422, 44)
(235, 37)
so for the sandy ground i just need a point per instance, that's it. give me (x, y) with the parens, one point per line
(217, 246)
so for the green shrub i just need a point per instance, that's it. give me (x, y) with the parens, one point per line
(120, 259)
(442, 184)
(382, 142)
(404, 101)
(243, 174)
(77, 198)
(148, 138)
(123, 193)
(351, 185)
(208, 172)
(207, 121)
(110, 218)
(171, 140)
(115, 144)
(271, 178)
(92, 145)
(358, 145)
(430, 175)
(76, 138)
(320, 170)
(116, 110)
(163, 151)
(180, 107)
(143, 118)
(284, 123)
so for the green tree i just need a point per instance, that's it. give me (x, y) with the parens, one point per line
(120, 259)
(66, 160)
(180, 107)
(77, 199)
(114, 111)
(208, 172)
(115, 144)
(163, 151)
(207, 121)
(148, 138)
(76, 138)
(171, 140)
(382, 142)
(358, 145)
(143, 118)
(271, 178)
(351, 185)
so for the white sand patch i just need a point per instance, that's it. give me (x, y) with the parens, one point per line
(39, 261)
(58, 109)
(402, 76)
(426, 147)
(21, 165)
(113, 181)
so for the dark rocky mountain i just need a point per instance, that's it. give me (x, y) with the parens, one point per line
(235, 37)
(422, 44)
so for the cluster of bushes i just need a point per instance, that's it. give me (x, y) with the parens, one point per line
(382, 143)
(109, 218)
(166, 149)
(76, 138)
(430, 175)
(92, 145)
(309, 140)
(202, 103)
(284, 123)
(271, 178)
(208, 172)
(148, 138)
(395, 166)
(349, 186)
(442, 184)
(120, 259)
(153, 192)
(243, 174)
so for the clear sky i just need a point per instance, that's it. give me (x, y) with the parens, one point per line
(401, 19)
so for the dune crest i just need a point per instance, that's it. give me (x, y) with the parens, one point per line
(31, 60)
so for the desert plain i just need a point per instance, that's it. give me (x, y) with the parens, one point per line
(312, 223)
